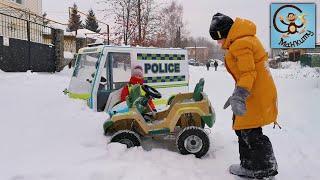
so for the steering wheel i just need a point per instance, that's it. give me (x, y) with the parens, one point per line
(150, 91)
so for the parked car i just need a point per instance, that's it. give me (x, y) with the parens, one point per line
(193, 62)
(220, 62)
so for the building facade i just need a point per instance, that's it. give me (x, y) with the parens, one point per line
(200, 54)
(34, 6)
(22, 19)
(307, 57)
(295, 54)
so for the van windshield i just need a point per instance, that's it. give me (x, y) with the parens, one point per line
(84, 72)
(86, 64)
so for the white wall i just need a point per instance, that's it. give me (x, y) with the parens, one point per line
(34, 6)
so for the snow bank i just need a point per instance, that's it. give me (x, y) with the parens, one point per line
(46, 135)
(73, 33)
(68, 55)
(293, 70)
(57, 26)
(290, 65)
(83, 33)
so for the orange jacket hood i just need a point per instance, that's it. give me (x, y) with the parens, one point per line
(239, 29)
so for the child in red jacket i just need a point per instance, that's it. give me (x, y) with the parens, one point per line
(136, 78)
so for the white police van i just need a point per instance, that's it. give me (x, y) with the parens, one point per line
(101, 71)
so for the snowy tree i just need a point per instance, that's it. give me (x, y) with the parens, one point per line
(148, 23)
(91, 22)
(122, 14)
(172, 24)
(75, 22)
(135, 21)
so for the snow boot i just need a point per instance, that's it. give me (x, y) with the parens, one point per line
(238, 170)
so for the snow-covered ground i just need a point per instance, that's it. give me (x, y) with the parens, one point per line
(293, 70)
(46, 135)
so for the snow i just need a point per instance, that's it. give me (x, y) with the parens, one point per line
(66, 33)
(68, 55)
(46, 135)
(57, 26)
(99, 41)
(81, 33)
(293, 70)
(84, 33)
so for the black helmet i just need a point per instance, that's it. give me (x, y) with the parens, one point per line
(220, 26)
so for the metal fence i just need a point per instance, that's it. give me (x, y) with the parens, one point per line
(27, 46)
(13, 27)
(18, 28)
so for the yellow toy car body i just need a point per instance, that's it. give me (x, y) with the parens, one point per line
(186, 116)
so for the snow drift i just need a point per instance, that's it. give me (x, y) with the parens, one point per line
(46, 135)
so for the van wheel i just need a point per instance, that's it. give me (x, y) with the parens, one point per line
(127, 137)
(193, 140)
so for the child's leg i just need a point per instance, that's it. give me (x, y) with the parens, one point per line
(260, 156)
(244, 151)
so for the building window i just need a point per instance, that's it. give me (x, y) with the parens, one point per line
(17, 1)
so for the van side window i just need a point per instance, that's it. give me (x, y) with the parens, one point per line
(121, 69)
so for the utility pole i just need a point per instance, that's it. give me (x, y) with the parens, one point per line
(128, 18)
(124, 27)
(108, 35)
(195, 51)
(139, 22)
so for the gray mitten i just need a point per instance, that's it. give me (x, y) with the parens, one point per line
(238, 101)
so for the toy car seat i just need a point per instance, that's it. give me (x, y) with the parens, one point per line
(135, 99)
(139, 101)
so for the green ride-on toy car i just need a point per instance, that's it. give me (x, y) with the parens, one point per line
(185, 117)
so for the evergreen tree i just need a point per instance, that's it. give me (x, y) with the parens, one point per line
(75, 22)
(91, 22)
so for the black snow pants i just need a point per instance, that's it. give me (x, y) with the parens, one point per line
(256, 151)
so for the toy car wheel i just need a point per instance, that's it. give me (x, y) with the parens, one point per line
(126, 137)
(193, 140)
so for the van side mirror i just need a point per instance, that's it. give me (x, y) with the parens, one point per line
(103, 79)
